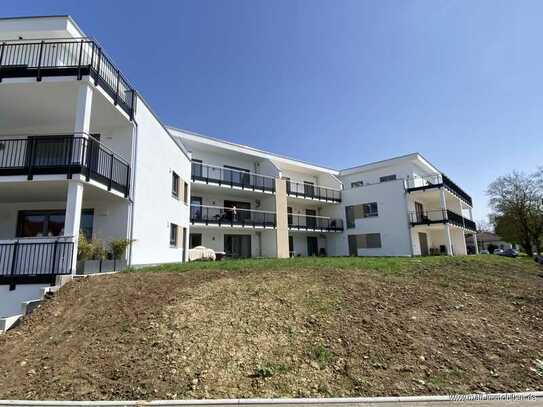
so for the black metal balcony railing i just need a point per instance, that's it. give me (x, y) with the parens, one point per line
(311, 191)
(437, 181)
(441, 216)
(319, 223)
(211, 174)
(212, 215)
(26, 259)
(64, 154)
(74, 57)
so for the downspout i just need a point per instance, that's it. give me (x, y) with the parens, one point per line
(133, 189)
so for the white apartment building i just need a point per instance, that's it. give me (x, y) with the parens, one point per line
(242, 198)
(82, 153)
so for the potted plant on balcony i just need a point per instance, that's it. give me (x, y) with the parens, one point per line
(90, 255)
(118, 250)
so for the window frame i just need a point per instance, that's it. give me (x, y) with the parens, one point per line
(388, 178)
(174, 233)
(369, 213)
(357, 184)
(175, 185)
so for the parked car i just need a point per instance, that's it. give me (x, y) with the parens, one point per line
(508, 253)
(498, 251)
(539, 258)
(484, 251)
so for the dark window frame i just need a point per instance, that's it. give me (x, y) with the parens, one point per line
(388, 178)
(175, 185)
(86, 230)
(174, 238)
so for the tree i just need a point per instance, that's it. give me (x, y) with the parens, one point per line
(517, 200)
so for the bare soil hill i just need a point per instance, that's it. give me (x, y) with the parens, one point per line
(345, 327)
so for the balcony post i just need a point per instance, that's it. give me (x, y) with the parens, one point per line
(2, 58)
(447, 230)
(38, 76)
(476, 244)
(281, 218)
(82, 124)
(72, 221)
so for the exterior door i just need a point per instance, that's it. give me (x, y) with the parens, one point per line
(423, 241)
(309, 189)
(312, 246)
(237, 246)
(236, 211)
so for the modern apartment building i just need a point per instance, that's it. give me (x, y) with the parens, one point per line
(82, 153)
(250, 203)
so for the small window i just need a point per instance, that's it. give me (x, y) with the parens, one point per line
(369, 241)
(175, 185)
(387, 178)
(186, 192)
(370, 210)
(357, 184)
(173, 235)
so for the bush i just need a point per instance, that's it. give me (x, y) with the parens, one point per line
(90, 249)
(118, 247)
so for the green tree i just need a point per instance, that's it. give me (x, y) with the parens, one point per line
(517, 201)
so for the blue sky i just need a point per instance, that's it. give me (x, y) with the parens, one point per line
(338, 83)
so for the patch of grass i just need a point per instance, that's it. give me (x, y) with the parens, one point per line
(269, 369)
(393, 265)
(322, 355)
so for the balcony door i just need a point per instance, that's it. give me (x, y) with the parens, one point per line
(312, 246)
(237, 176)
(237, 246)
(309, 189)
(236, 211)
(419, 211)
(195, 208)
(310, 220)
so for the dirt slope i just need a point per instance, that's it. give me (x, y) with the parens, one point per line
(439, 328)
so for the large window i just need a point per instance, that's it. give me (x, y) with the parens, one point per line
(363, 241)
(387, 178)
(47, 223)
(366, 210)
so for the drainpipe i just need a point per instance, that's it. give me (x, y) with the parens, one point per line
(131, 198)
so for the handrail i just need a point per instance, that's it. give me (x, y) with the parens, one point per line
(312, 191)
(313, 222)
(230, 208)
(211, 174)
(218, 167)
(77, 57)
(65, 154)
(231, 217)
(440, 216)
(437, 180)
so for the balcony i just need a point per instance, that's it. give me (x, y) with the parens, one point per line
(314, 192)
(314, 223)
(35, 259)
(437, 181)
(74, 57)
(64, 154)
(231, 217)
(220, 176)
(441, 216)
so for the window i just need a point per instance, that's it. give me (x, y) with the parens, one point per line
(364, 241)
(175, 185)
(387, 178)
(369, 210)
(237, 176)
(51, 223)
(195, 239)
(186, 192)
(369, 241)
(349, 216)
(173, 235)
(357, 184)
(309, 189)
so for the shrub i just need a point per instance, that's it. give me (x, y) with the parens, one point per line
(90, 249)
(118, 247)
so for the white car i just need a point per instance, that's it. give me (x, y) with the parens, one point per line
(498, 251)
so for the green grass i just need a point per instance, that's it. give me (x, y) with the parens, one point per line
(386, 264)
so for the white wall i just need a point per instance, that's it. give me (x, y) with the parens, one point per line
(157, 155)
(300, 242)
(10, 301)
(392, 222)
